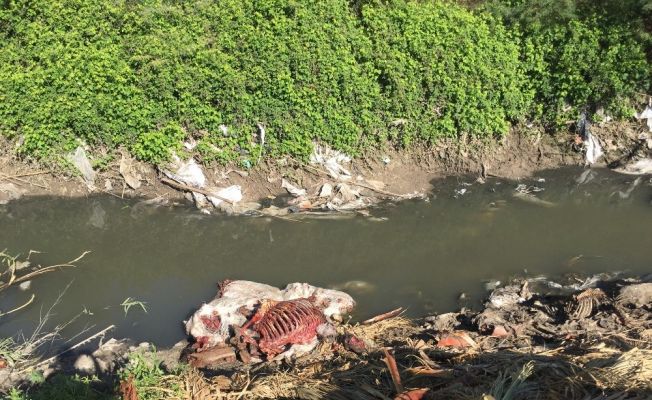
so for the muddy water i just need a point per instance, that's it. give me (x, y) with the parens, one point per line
(422, 255)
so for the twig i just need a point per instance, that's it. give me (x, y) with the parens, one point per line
(244, 389)
(393, 370)
(19, 180)
(40, 271)
(23, 175)
(384, 316)
(20, 307)
(386, 193)
(187, 188)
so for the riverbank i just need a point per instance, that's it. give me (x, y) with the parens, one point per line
(381, 174)
(533, 338)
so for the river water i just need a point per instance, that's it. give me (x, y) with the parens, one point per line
(419, 254)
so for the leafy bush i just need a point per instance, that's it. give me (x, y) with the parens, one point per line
(579, 54)
(157, 146)
(445, 70)
(64, 76)
(146, 75)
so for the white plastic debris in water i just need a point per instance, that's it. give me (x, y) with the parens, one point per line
(646, 115)
(593, 149)
(232, 193)
(293, 190)
(213, 323)
(331, 160)
(80, 161)
(186, 171)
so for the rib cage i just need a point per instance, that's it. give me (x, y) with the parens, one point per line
(288, 322)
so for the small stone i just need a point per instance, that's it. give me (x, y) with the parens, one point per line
(25, 285)
(85, 364)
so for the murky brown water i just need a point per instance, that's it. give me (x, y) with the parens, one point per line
(421, 255)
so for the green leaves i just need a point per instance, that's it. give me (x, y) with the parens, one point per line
(146, 75)
(444, 70)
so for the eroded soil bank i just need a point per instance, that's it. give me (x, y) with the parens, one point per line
(517, 155)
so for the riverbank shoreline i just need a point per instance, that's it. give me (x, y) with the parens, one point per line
(373, 178)
(394, 173)
(568, 338)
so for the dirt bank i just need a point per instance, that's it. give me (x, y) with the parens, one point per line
(519, 154)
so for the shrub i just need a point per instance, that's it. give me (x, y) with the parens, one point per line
(146, 74)
(445, 70)
(157, 146)
(579, 54)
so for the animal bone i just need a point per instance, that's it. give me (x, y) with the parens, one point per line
(285, 323)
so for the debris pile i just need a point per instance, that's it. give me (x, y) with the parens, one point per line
(187, 175)
(339, 189)
(533, 338)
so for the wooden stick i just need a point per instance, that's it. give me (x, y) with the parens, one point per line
(382, 317)
(18, 180)
(393, 370)
(181, 186)
(23, 175)
(20, 307)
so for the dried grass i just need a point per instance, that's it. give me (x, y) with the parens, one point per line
(507, 373)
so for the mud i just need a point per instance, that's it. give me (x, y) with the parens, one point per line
(519, 154)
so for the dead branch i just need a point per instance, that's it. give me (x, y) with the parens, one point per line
(390, 361)
(384, 316)
(19, 307)
(186, 188)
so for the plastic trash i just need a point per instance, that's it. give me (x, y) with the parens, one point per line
(331, 160)
(293, 190)
(639, 167)
(186, 171)
(80, 161)
(326, 190)
(232, 193)
(593, 149)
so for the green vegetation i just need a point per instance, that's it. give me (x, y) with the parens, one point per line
(581, 54)
(146, 75)
(64, 387)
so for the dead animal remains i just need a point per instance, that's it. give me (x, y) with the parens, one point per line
(263, 322)
(282, 324)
